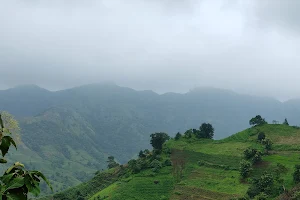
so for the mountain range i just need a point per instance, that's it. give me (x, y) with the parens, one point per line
(69, 134)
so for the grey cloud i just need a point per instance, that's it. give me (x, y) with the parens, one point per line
(280, 14)
(160, 45)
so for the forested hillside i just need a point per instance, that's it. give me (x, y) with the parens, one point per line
(73, 131)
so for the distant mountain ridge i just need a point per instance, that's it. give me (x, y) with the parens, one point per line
(98, 120)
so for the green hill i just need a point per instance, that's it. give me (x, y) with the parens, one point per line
(210, 169)
(71, 132)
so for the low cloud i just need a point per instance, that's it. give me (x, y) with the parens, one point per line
(248, 46)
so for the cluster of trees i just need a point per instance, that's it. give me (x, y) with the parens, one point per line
(111, 163)
(269, 184)
(147, 159)
(206, 130)
(258, 120)
(251, 157)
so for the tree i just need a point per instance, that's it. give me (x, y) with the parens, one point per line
(263, 184)
(16, 182)
(286, 122)
(245, 168)
(268, 144)
(206, 131)
(141, 154)
(178, 136)
(188, 133)
(134, 166)
(158, 139)
(111, 163)
(257, 121)
(261, 136)
(252, 154)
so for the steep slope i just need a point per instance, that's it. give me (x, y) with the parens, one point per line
(211, 169)
(61, 144)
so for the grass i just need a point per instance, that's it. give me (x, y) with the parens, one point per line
(216, 176)
(216, 180)
(141, 187)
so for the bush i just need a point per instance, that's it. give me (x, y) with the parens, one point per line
(265, 184)
(261, 196)
(155, 165)
(296, 174)
(261, 136)
(201, 163)
(249, 153)
(268, 144)
(168, 162)
(245, 168)
(253, 155)
(178, 136)
(296, 196)
(257, 157)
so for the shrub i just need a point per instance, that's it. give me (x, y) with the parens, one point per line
(168, 162)
(155, 165)
(268, 144)
(249, 153)
(261, 136)
(261, 196)
(265, 185)
(296, 174)
(178, 136)
(257, 157)
(245, 168)
(201, 163)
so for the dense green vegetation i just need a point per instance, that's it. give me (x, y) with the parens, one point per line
(16, 182)
(246, 165)
(69, 134)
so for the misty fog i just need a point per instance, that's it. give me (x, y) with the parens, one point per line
(249, 46)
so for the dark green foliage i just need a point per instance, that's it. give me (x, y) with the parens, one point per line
(168, 162)
(261, 196)
(155, 165)
(142, 154)
(177, 136)
(257, 121)
(249, 153)
(279, 171)
(261, 136)
(134, 166)
(296, 174)
(268, 144)
(17, 182)
(252, 154)
(188, 133)
(286, 122)
(158, 139)
(245, 168)
(206, 130)
(264, 184)
(111, 163)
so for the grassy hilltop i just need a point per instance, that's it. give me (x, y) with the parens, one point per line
(210, 169)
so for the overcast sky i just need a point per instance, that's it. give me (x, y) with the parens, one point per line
(249, 46)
